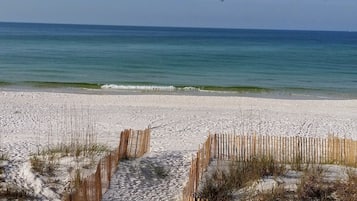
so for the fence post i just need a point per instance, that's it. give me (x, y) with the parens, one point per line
(85, 189)
(109, 168)
(98, 182)
(123, 146)
(197, 170)
(137, 142)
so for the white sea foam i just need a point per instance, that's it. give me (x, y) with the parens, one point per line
(139, 87)
(190, 89)
(148, 88)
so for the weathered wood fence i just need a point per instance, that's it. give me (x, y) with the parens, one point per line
(199, 165)
(287, 150)
(132, 144)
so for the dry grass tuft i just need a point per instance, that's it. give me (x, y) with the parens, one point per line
(313, 187)
(221, 184)
(44, 165)
(4, 157)
(77, 179)
(276, 194)
(76, 150)
(16, 193)
(217, 187)
(75, 154)
(348, 190)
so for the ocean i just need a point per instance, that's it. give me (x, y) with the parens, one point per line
(312, 64)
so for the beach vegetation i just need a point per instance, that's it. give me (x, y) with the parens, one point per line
(297, 164)
(62, 165)
(275, 194)
(76, 150)
(221, 184)
(50, 162)
(77, 179)
(45, 165)
(4, 156)
(313, 186)
(12, 192)
(241, 179)
(348, 190)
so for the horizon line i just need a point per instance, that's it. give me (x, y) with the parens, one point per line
(179, 27)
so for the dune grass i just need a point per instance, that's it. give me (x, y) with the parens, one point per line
(313, 186)
(348, 190)
(47, 162)
(223, 185)
(15, 193)
(75, 154)
(4, 156)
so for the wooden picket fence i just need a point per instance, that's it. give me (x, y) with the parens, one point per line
(199, 165)
(132, 144)
(287, 150)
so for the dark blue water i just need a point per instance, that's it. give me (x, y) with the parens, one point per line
(159, 58)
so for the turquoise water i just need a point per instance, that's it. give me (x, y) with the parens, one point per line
(178, 59)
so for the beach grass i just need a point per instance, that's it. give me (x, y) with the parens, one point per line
(221, 184)
(313, 187)
(16, 193)
(348, 190)
(4, 156)
(78, 149)
(241, 179)
(73, 156)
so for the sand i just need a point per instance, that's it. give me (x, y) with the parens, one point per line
(179, 124)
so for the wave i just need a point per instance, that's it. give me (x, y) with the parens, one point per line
(186, 88)
(139, 87)
(208, 89)
(148, 87)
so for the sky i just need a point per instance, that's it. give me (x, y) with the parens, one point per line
(260, 14)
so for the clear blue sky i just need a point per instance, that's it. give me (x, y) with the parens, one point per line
(263, 14)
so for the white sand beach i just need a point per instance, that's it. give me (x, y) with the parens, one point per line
(179, 124)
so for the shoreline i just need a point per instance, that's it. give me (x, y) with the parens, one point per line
(297, 94)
